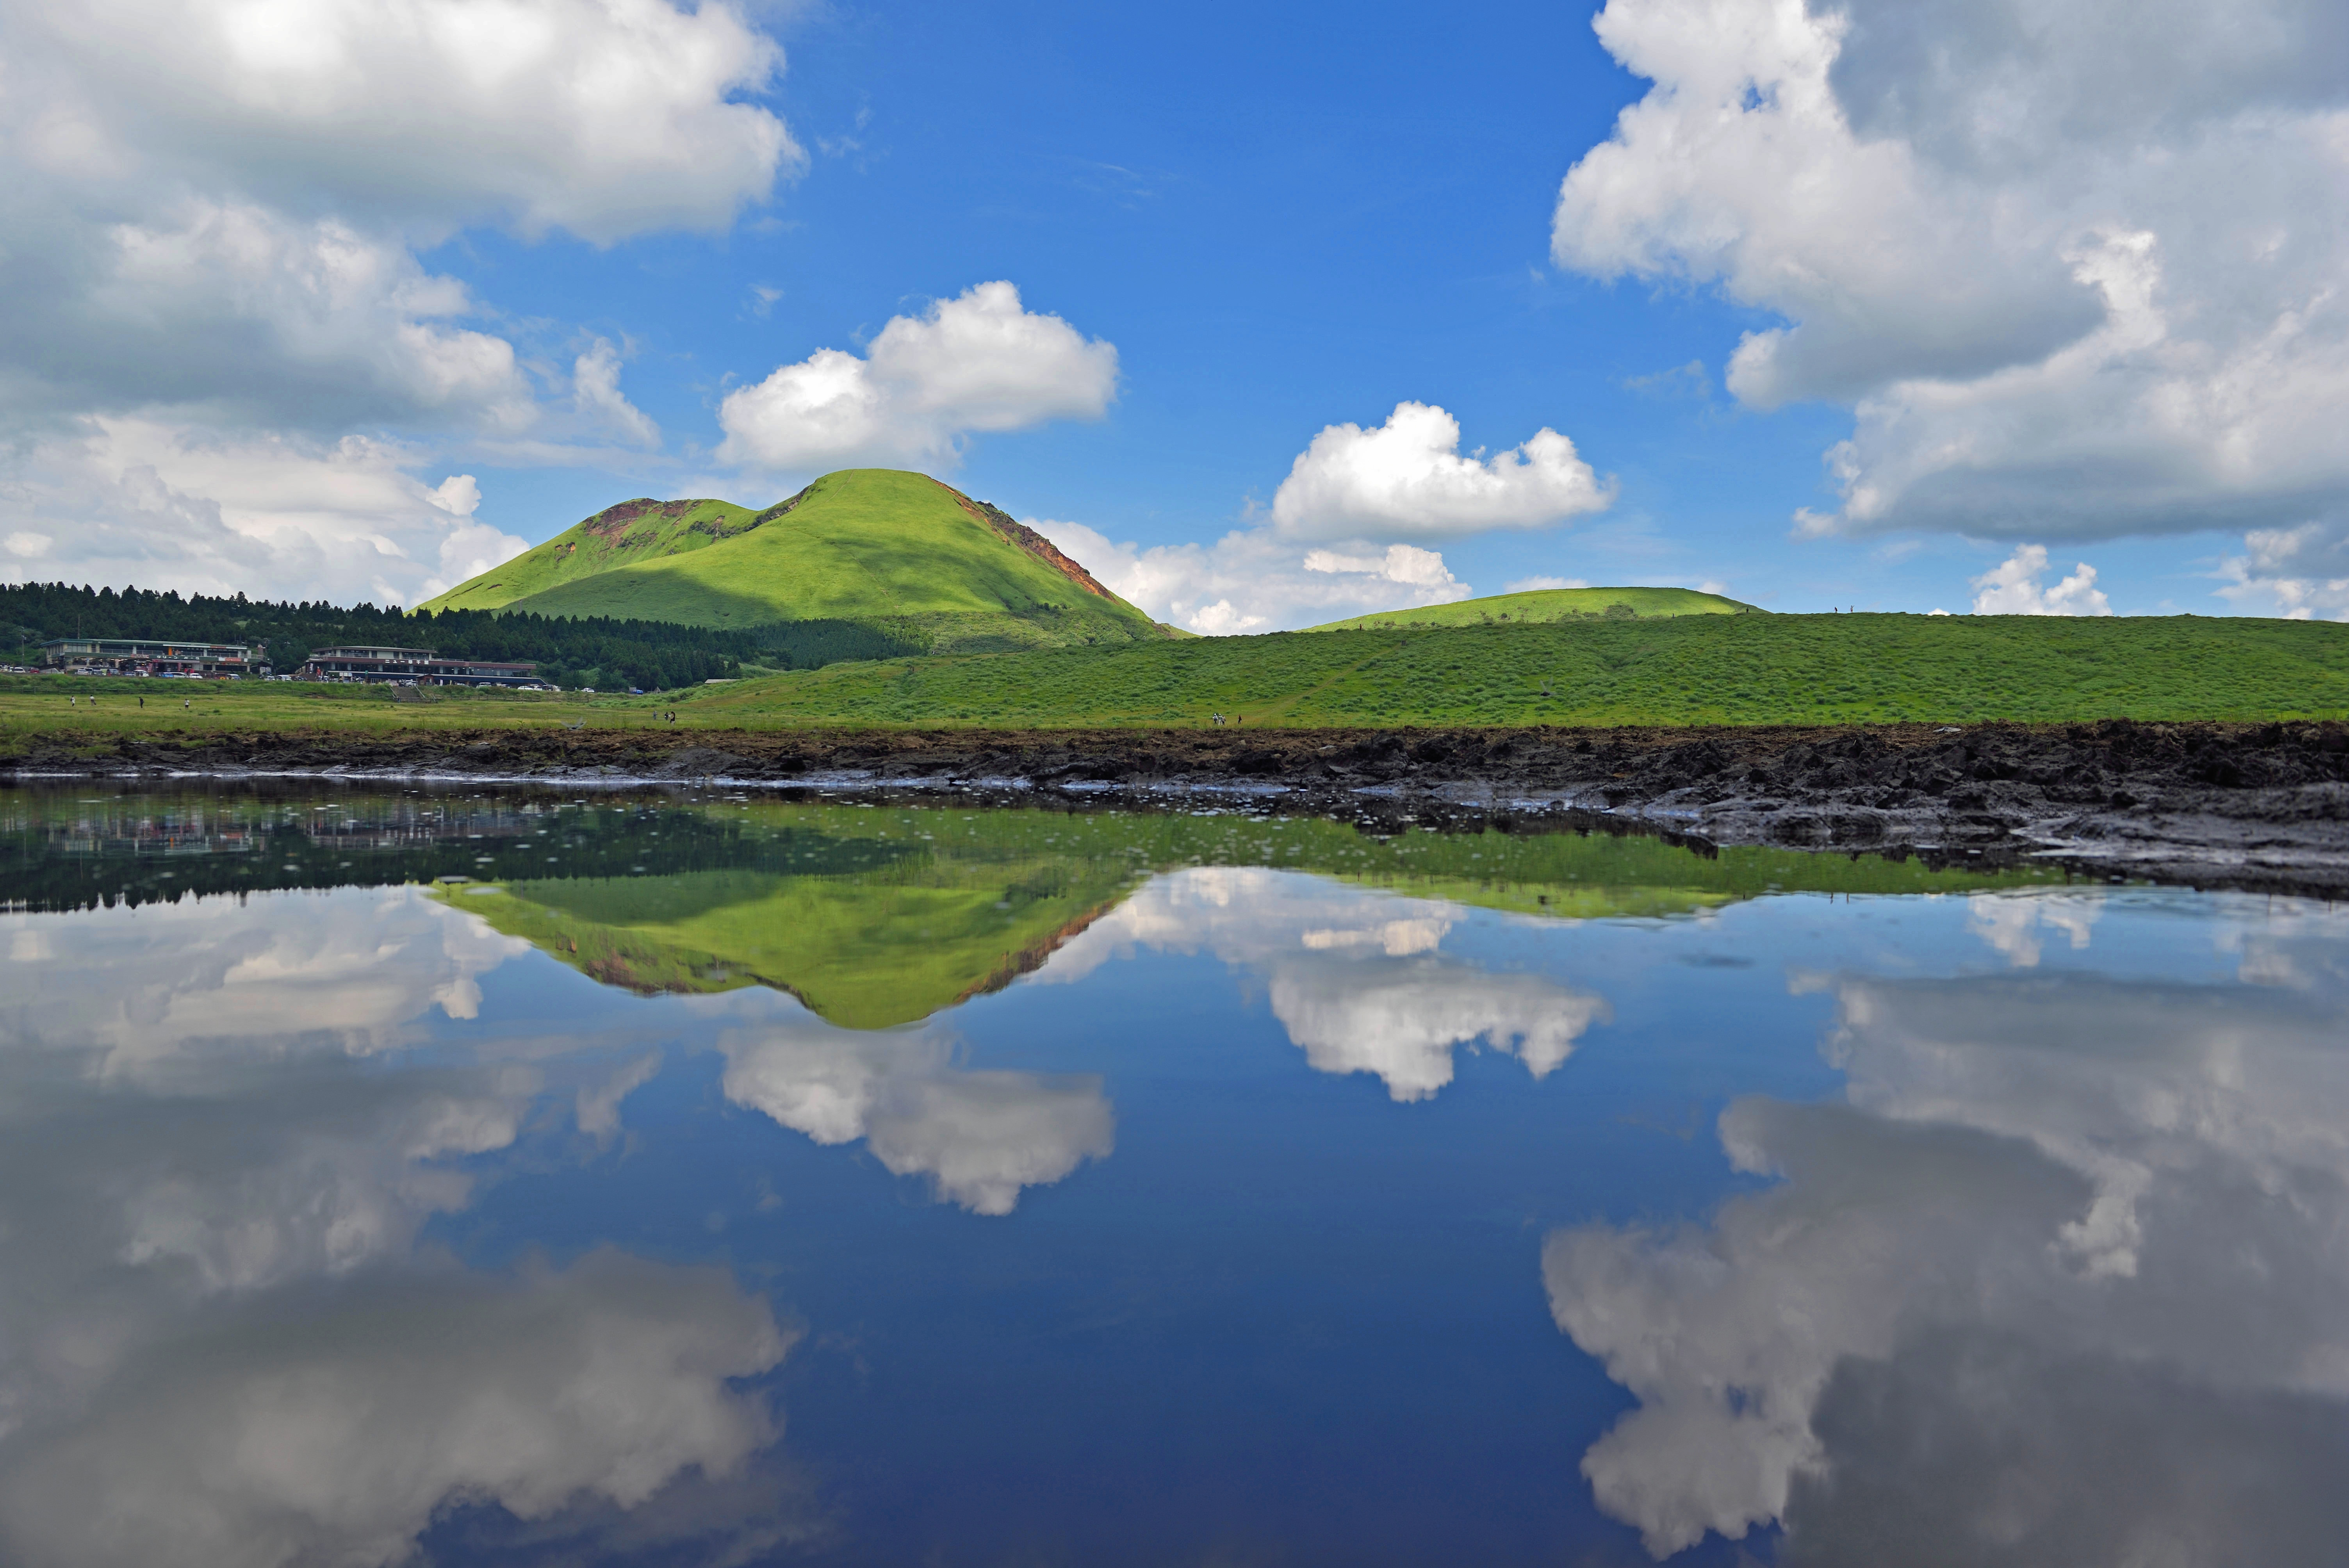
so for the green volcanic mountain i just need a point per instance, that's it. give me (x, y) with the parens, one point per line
(1547, 604)
(897, 550)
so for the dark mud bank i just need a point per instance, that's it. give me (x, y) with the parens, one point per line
(2261, 806)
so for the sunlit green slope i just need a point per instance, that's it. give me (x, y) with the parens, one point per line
(893, 549)
(1552, 605)
(632, 531)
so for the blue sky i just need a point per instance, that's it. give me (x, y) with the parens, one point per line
(2014, 307)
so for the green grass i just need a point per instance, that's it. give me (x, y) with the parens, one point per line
(898, 550)
(1551, 604)
(1693, 669)
(1687, 670)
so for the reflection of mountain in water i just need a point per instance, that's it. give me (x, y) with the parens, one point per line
(872, 915)
(877, 916)
(872, 918)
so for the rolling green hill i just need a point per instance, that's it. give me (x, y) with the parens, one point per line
(896, 551)
(1546, 605)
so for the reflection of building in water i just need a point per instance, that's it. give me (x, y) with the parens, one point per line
(208, 828)
(149, 656)
(60, 854)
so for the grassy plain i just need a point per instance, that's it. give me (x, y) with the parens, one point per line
(1693, 669)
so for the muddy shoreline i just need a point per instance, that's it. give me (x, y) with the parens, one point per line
(2262, 807)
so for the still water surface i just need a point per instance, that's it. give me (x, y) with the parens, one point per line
(509, 1178)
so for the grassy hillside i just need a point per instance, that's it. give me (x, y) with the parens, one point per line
(1545, 605)
(1690, 669)
(898, 551)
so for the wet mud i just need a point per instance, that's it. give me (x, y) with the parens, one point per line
(2251, 806)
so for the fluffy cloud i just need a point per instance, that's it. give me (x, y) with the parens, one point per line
(980, 1137)
(2057, 1196)
(2297, 573)
(2068, 265)
(979, 362)
(1406, 479)
(157, 502)
(1331, 545)
(1356, 977)
(596, 392)
(2013, 588)
(604, 118)
(1251, 580)
(214, 222)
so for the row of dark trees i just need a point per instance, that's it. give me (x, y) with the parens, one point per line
(657, 655)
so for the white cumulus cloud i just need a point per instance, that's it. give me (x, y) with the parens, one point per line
(605, 118)
(2080, 273)
(2013, 588)
(1407, 480)
(215, 214)
(1252, 580)
(2297, 573)
(157, 503)
(979, 362)
(595, 391)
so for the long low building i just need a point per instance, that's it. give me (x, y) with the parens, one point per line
(149, 656)
(414, 666)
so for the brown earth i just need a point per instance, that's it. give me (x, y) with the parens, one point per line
(2260, 806)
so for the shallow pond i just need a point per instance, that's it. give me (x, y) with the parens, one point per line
(522, 1178)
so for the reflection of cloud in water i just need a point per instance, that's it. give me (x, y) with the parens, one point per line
(1401, 1019)
(267, 1153)
(216, 1344)
(174, 987)
(1354, 975)
(2299, 945)
(249, 1447)
(2060, 1284)
(979, 1136)
(2012, 923)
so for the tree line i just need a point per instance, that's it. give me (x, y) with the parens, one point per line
(598, 651)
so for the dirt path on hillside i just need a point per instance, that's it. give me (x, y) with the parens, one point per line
(2255, 806)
